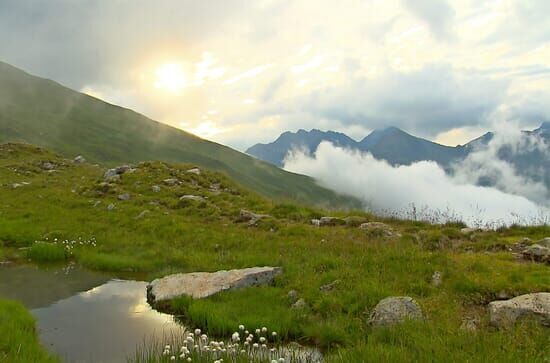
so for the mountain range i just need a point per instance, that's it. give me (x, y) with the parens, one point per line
(42, 112)
(398, 147)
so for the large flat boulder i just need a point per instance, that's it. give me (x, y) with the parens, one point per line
(199, 285)
(506, 313)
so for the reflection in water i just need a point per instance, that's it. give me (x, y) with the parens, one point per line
(103, 324)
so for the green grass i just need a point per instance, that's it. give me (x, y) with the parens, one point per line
(18, 339)
(71, 205)
(42, 112)
(47, 252)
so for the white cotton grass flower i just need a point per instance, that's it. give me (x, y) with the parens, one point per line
(262, 340)
(264, 330)
(241, 327)
(281, 360)
(189, 359)
(258, 331)
(173, 357)
(197, 332)
(255, 345)
(274, 334)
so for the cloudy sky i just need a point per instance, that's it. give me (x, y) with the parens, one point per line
(241, 72)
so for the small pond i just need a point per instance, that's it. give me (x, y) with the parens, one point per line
(84, 316)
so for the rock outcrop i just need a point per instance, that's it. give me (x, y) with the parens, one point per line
(251, 217)
(395, 310)
(203, 284)
(195, 198)
(331, 221)
(536, 306)
(379, 228)
(537, 253)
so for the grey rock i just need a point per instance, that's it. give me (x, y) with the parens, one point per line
(468, 231)
(143, 214)
(292, 295)
(123, 169)
(470, 324)
(331, 221)
(437, 278)
(79, 160)
(195, 198)
(331, 286)
(47, 166)
(316, 222)
(299, 305)
(155, 188)
(171, 181)
(251, 217)
(545, 242)
(195, 171)
(110, 207)
(110, 173)
(379, 228)
(394, 310)
(124, 196)
(537, 253)
(536, 306)
(203, 284)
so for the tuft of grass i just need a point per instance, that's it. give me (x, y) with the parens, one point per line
(18, 338)
(47, 252)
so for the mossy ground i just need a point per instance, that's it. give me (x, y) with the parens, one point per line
(70, 204)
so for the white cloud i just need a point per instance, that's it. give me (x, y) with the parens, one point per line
(385, 188)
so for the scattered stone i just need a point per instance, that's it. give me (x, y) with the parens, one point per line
(195, 171)
(331, 286)
(394, 310)
(110, 207)
(470, 324)
(123, 169)
(171, 181)
(251, 217)
(292, 296)
(195, 198)
(299, 305)
(537, 253)
(142, 214)
(545, 242)
(468, 231)
(203, 284)
(124, 196)
(536, 306)
(380, 228)
(155, 188)
(96, 203)
(436, 278)
(316, 222)
(79, 160)
(503, 295)
(331, 221)
(110, 173)
(16, 185)
(47, 166)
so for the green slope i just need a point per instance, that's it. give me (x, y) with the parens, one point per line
(42, 112)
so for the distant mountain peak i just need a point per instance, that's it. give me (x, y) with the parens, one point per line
(545, 126)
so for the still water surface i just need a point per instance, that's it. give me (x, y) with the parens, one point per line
(85, 316)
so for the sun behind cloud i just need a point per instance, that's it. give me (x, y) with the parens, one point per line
(170, 77)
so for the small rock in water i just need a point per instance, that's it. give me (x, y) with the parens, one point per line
(536, 306)
(79, 160)
(124, 196)
(195, 171)
(394, 310)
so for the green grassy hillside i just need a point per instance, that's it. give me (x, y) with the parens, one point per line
(48, 201)
(42, 112)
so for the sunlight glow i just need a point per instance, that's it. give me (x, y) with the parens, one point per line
(170, 77)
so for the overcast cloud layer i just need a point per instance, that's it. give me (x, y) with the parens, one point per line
(249, 70)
